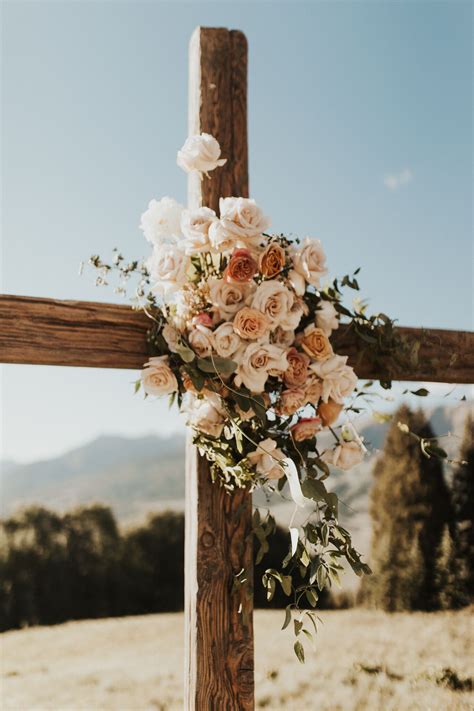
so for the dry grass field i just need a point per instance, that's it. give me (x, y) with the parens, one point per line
(363, 660)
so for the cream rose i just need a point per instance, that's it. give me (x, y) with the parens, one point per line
(195, 226)
(200, 153)
(158, 378)
(297, 281)
(306, 428)
(205, 413)
(274, 300)
(242, 220)
(310, 261)
(226, 298)
(345, 455)
(327, 317)
(167, 266)
(339, 379)
(162, 220)
(265, 459)
(251, 324)
(290, 401)
(259, 360)
(200, 340)
(225, 341)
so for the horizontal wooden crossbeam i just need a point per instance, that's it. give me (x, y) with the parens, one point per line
(98, 335)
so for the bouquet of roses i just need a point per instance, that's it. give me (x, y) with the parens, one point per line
(241, 339)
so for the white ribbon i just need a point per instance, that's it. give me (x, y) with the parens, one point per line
(291, 472)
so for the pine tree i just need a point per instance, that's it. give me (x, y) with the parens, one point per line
(410, 506)
(463, 510)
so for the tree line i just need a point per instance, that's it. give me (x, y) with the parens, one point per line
(58, 567)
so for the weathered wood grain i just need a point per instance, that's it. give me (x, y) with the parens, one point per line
(98, 335)
(219, 646)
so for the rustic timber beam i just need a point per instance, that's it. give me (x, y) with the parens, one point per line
(98, 335)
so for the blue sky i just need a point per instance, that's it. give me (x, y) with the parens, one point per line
(360, 118)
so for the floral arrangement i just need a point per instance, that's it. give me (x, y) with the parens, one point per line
(241, 338)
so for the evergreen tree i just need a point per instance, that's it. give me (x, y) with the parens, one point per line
(462, 560)
(409, 507)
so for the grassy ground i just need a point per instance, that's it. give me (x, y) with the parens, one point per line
(363, 660)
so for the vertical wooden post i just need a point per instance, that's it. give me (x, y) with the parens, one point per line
(219, 646)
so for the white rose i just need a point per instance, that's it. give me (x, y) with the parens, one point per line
(158, 378)
(171, 336)
(205, 414)
(265, 459)
(294, 315)
(227, 298)
(200, 340)
(339, 379)
(226, 342)
(162, 220)
(195, 226)
(220, 238)
(201, 153)
(310, 261)
(167, 266)
(242, 220)
(345, 455)
(327, 317)
(275, 300)
(259, 360)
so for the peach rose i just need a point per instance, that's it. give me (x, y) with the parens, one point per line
(272, 260)
(274, 300)
(282, 337)
(202, 319)
(226, 298)
(316, 344)
(306, 428)
(297, 371)
(251, 324)
(313, 389)
(329, 412)
(242, 266)
(290, 401)
(158, 378)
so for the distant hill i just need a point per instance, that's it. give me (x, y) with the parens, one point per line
(135, 476)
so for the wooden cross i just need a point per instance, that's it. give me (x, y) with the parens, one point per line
(219, 646)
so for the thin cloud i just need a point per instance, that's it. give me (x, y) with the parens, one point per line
(394, 181)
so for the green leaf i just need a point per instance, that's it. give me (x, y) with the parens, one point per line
(185, 352)
(325, 534)
(314, 489)
(308, 634)
(287, 617)
(298, 626)
(321, 576)
(137, 385)
(299, 651)
(222, 366)
(312, 597)
(271, 587)
(421, 392)
(286, 583)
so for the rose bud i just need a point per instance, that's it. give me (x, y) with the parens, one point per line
(202, 319)
(242, 266)
(306, 428)
(329, 412)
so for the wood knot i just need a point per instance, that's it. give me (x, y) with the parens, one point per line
(207, 539)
